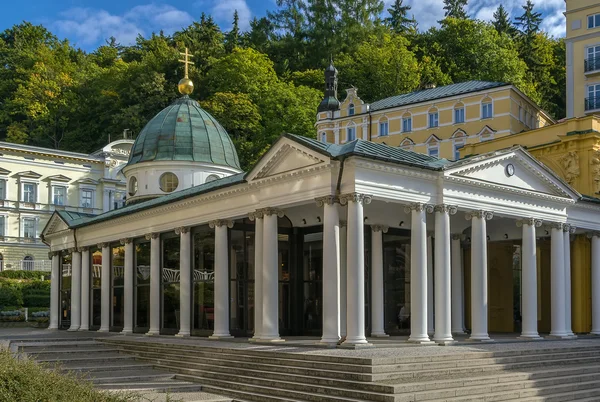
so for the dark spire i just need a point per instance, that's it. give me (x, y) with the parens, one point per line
(330, 101)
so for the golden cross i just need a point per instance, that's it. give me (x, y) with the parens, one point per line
(186, 61)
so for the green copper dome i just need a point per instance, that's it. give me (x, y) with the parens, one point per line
(183, 131)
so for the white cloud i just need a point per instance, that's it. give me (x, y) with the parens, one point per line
(222, 12)
(91, 27)
(427, 12)
(554, 24)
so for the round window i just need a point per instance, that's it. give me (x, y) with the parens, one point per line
(133, 186)
(168, 182)
(212, 177)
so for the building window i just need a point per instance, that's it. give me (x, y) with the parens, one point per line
(29, 228)
(459, 115)
(119, 200)
(458, 144)
(350, 133)
(433, 149)
(133, 186)
(592, 61)
(168, 182)
(27, 264)
(212, 178)
(351, 109)
(324, 137)
(383, 128)
(406, 124)
(59, 195)
(2, 189)
(486, 110)
(593, 100)
(434, 119)
(29, 193)
(87, 198)
(593, 21)
(2, 226)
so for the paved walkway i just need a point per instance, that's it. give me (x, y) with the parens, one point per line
(384, 348)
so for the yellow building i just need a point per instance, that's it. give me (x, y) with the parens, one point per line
(435, 121)
(583, 57)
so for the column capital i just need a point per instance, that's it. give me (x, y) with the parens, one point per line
(53, 254)
(220, 222)
(481, 214)
(445, 208)
(456, 236)
(272, 211)
(529, 221)
(556, 225)
(83, 248)
(125, 241)
(182, 229)
(419, 207)
(380, 228)
(72, 250)
(102, 245)
(150, 236)
(591, 234)
(328, 199)
(258, 214)
(355, 197)
(568, 228)
(343, 224)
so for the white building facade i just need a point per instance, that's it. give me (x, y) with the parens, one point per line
(340, 241)
(35, 182)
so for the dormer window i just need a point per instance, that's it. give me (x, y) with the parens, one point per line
(351, 109)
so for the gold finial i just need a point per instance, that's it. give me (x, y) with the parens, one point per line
(186, 86)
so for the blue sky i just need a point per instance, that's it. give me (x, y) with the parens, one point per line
(88, 23)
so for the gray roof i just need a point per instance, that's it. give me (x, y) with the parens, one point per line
(434, 93)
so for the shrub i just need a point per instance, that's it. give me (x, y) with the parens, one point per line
(10, 295)
(25, 380)
(36, 300)
(23, 274)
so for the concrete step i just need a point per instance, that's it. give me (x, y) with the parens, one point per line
(241, 396)
(84, 357)
(157, 385)
(79, 367)
(191, 396)
(104, 377)
(41, 354)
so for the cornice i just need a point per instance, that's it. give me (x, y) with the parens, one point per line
(420, 173)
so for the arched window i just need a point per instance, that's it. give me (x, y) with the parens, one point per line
(351, 109)
(350, 132)
(407, 123)
(27, 263)
(459, 113)
(459, 139)
(323, 137)
(384, 127)
(434, 118)
(433, 146)
(487, 109)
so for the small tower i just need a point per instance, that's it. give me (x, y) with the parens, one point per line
(330, 101)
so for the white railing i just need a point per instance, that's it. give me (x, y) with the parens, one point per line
(25, 265)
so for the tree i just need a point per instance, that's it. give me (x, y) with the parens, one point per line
(232, 39)
(398, 20)
(502, 21)
(455, 9)
(529, 22)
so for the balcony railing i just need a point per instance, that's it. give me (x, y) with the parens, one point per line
(591, 64)
(25, 265)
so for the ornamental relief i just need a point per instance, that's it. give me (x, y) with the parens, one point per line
(595, 167)
(570, 164)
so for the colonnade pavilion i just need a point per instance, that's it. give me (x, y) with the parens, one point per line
(336, 241)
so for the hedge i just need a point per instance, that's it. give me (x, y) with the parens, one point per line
(24, 274)
(24, 293)
(25, 380)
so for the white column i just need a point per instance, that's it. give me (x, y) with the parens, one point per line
(105, 303)
(128, 289)
(355, 261)
(185, 286)
(85, 289)
(105, 200)
(595, 282)
(567, 230)
(529, 279)
(221, 293)
(331, 270)
(343, 277)
(443, 296)
(154, 283)
(430, 303)
(54, 290)
(75, 290)
(270, 279)
(418, 274)
(377, 313)
(457, 286)
(557, 268)
(479, 275)
(258, 217)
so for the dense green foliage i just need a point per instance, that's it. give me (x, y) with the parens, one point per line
(268, 80)
(17, 274)
(24, 380)
(18, 293)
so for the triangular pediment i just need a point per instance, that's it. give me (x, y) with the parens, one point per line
(30, 174)
(286, 156)
(59, 177)
(55, 225)
(4, 172)
(513, 170)
(87, 181)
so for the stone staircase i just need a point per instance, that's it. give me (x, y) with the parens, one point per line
(109, 369)
(551, 372)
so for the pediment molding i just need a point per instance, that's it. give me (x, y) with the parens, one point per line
(55, 225)
(58, 177)
(29, 174)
